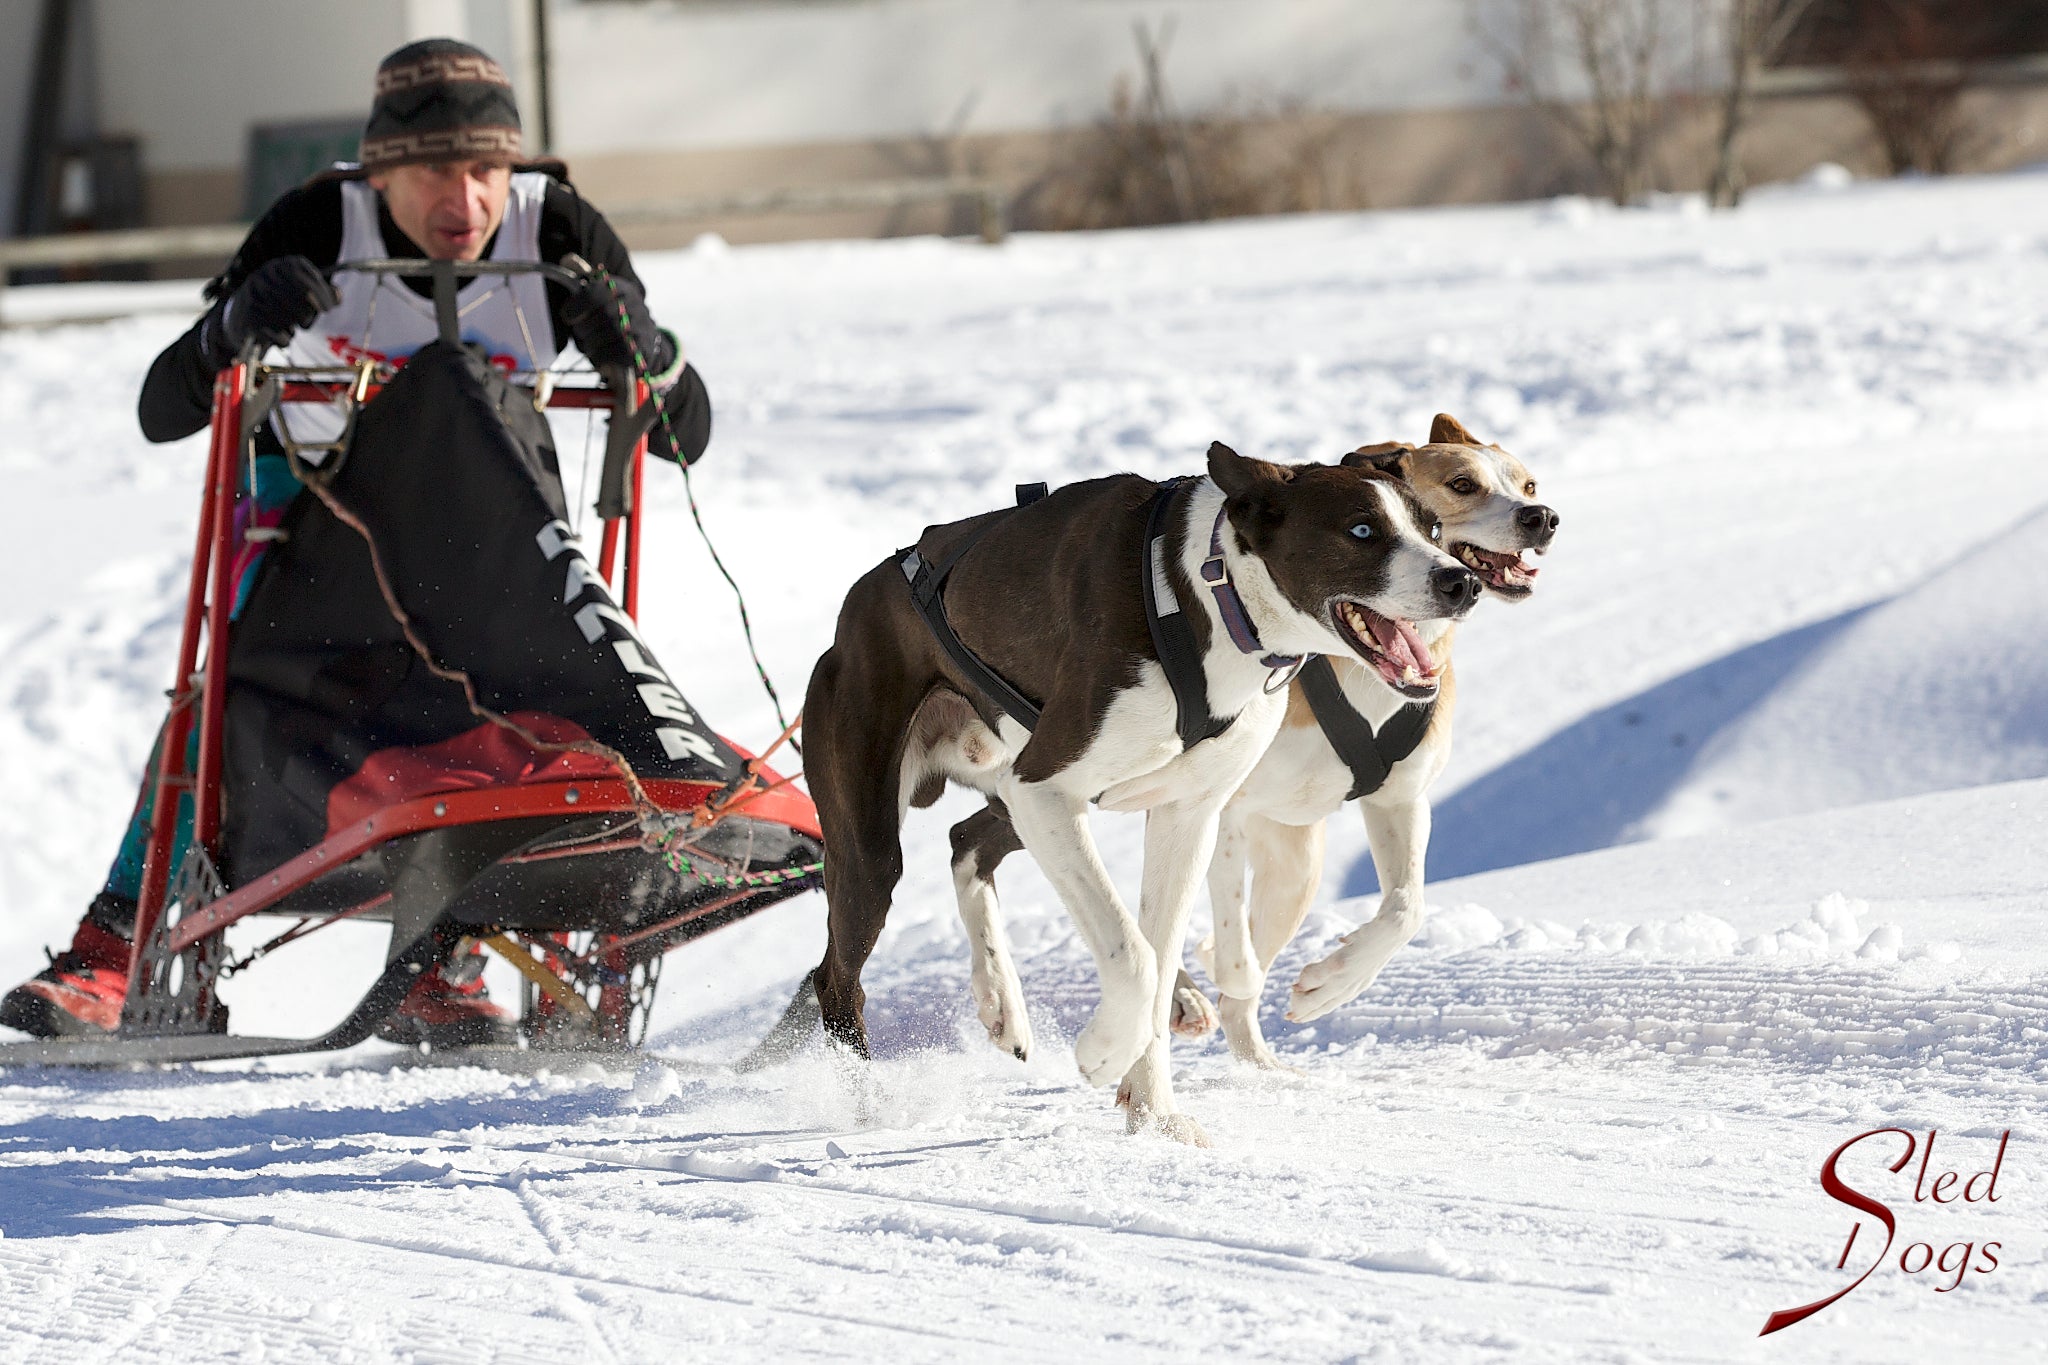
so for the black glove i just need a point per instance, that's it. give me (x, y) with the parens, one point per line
(277, 299)
(687, 431)
(593, 318)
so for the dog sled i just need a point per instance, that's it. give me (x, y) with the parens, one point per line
(436, 711)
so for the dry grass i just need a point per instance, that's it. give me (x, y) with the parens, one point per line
(1136, 167)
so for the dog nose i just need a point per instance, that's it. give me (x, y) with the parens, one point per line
(1538, 521)
(1456, 589)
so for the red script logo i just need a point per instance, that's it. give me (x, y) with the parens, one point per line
(1917, 1256)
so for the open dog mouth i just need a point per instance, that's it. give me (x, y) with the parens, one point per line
(1390, 645)
(1509, 573)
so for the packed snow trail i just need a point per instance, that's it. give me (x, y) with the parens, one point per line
(1581, 1119)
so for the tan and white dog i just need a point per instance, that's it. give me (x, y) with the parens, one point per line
(1273, 827)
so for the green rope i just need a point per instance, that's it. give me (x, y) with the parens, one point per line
(661, 410)
(678, 861)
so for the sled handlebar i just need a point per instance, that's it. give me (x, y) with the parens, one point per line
(449, 277)
(633, 412)
(565, 275)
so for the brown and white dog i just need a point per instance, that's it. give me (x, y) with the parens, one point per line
(1323, 560)
(1486, 501)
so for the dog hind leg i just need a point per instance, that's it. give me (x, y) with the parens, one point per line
(853, 769)
(980, 843)
(1399, 835)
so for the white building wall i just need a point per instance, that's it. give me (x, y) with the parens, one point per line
(689, 74)
(190, 77)
(729, 73)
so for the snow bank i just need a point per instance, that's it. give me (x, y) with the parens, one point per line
(1832, 930)
(1943, 686)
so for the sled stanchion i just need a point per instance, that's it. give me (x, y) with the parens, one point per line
(642, 395)
(173, 779)
(214, 694)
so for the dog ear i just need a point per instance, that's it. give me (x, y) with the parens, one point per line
(1239, 476)
(1249, 491)
(1386, 456)
(1447, 430)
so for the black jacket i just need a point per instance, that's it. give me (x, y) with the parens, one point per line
(177, 397)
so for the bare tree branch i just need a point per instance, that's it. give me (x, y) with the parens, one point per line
(1754, 34)
(1620, 49)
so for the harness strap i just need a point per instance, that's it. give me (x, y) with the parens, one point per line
(1173, 638)
(1371, 758)
(927, 582)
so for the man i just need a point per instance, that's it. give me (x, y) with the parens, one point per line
(439, 179)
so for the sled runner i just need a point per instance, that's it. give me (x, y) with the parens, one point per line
(433, 710)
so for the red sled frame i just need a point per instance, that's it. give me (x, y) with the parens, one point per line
(170, 1013)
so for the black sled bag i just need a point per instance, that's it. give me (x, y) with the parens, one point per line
(332, 715)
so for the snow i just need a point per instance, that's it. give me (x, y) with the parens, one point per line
(1739, 854)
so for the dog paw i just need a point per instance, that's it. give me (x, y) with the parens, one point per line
(1010, 1031)
(1265, 1059)
(1004, 1018)
(1142, 1119)
(1108, 1048)
(1193, 1016)
(857, 1081)
(1325, 985)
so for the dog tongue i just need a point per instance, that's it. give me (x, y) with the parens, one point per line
(1398, 640)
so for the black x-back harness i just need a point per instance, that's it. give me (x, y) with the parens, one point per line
(1370, 757)
(1173, 637)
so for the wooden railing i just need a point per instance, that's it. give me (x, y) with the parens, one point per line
(220, 240)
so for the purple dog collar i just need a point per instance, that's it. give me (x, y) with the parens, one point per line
(1231, 607)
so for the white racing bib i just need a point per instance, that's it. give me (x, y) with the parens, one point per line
(383, 319)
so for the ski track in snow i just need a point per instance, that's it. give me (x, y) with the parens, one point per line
(1580, 1119)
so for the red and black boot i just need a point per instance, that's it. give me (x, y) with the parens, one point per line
(82, 990)
(448, 1007)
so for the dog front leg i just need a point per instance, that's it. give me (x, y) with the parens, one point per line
(1179, 841)
(1399, 835)
(1286, 871)
(980, 843)
(1227, 954)
(1054, 827)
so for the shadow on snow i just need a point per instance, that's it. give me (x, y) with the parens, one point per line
(1591, 785)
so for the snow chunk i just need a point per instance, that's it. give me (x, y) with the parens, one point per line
(653, 1084)
(1693, 935)
(1467, 926)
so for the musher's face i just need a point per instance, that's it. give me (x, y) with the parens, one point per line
(450, 208)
